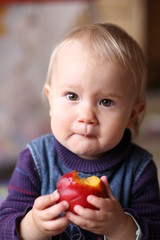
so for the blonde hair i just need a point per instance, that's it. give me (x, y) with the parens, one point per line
(110, 42)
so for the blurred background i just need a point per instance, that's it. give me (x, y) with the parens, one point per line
(29, 31)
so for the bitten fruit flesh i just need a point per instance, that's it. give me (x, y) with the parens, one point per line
(75, 190)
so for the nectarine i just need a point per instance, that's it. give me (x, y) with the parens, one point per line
(75, 190)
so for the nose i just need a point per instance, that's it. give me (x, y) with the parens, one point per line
(87, 115)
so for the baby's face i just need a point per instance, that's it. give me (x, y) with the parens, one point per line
(90, 102)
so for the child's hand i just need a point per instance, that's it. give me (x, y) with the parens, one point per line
(109, 220)
(43, 220)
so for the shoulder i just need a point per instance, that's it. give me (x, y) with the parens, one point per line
(139, 155)
(41, 143)
(43, 152)
(139, 158)
(44, 139)
(140, 151)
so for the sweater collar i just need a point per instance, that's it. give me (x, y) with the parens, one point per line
(106, 163)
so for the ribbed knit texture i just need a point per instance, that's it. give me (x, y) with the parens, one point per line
(25, 187)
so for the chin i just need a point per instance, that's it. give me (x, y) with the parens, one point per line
(86, 153)
(85, 149)
(80, 151)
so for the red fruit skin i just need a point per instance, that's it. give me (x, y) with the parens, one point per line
(76, 193)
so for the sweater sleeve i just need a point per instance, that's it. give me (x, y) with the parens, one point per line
(23, 189)
(145, 203)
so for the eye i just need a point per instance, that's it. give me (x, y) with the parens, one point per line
(72, 96)
(106, 102)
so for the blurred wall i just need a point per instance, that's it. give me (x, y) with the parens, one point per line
(28, 34)
(153, 43)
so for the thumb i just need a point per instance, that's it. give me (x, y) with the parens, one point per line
(107, 187)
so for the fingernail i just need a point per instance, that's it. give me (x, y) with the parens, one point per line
(77, 208)
(65, 204)
(90, 198)
(56, 195)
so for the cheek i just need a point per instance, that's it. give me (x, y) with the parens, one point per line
(115, 125)
(60, 121)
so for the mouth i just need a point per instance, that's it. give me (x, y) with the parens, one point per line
(85, 131)
(85, 136)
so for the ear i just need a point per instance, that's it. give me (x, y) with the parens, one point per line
(47, 90)
(136, 110)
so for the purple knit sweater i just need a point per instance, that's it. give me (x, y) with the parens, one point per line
(25, 187)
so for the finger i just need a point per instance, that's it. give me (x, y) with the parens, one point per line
(107, 186)
(86, 213)
(99, 203)
(54, 211)
(57, 225)
(102, 204)
(81, 221)
(46, 201)
(74, 218)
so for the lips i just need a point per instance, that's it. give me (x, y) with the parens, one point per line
(84, 130)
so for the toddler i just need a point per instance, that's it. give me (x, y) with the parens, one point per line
(96, 92)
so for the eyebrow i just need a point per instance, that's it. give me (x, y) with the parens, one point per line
(111, 94)
(70, 86)
(114, 95)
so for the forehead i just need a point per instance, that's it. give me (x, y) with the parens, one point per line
(74, 47)
(76, 57)
(101, 49)
(78, 51)
(73, 55)
(81, 51)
